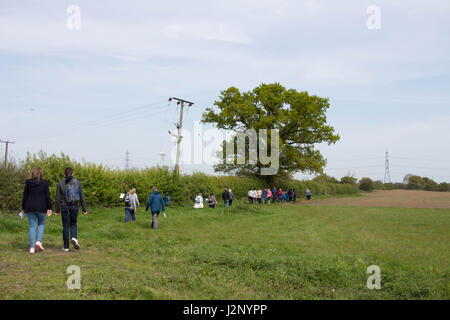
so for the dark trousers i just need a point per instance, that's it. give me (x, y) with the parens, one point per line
(69, 217)
(308, 197)
(128, 212)
(230, 202)
(155, 220)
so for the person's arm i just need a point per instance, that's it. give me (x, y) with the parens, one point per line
(48, 199)
(25, 197)
(137, 200)
(82, 198)
(149, 202)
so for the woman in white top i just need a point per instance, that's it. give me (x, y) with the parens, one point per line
(198, 202)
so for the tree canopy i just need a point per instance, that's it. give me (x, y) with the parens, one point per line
(299, 117)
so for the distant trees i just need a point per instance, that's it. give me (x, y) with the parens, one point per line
(389, 186)
(378, 185)
(366, 184)
(416, 183)
(430, 185)
(444, 187)
(323, 178)
(348, 180)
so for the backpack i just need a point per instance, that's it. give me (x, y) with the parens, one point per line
(127, 200)
(72, 192)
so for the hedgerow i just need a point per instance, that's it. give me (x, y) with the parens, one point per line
(102, 185)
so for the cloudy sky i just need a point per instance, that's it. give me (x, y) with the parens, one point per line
(101, 90)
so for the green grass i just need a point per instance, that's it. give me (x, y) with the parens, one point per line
(246, 252)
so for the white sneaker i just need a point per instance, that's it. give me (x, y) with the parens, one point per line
(39, 246)
(65, 250)
(32, 250)
(75, 243)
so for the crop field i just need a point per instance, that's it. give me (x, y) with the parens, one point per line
(319, 250)
(394, 198)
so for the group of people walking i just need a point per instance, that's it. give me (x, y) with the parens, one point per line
(156, 203)
(227, 197)
(37, 205)
(254, 196)
(271, 195)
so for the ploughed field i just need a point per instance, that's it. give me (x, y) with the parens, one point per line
(317, 251)
(394, 198)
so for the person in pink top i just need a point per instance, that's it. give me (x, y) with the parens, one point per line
(269, 195)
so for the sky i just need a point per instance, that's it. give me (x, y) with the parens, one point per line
(96, 92)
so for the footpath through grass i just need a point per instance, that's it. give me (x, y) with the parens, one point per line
(244, 252)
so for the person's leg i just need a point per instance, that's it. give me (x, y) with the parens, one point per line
(73, 222)
(230, 202)
(127, 214)
(155, 220)
(41, 225)
(133, 215)
(65, 216)
(32, 218)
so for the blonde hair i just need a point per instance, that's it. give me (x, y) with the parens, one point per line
(36, 173)
(133, 190)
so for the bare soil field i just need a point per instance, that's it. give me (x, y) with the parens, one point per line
(394, 198)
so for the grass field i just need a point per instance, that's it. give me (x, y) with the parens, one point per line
(259, 252)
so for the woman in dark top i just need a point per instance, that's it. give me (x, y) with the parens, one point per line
(36, 203)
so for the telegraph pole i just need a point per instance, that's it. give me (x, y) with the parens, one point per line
(7, 142)
(127, 159)
(179, 127)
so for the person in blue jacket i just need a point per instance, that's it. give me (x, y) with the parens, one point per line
(155, 203)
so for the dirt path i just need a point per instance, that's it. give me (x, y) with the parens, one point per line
(394, 198)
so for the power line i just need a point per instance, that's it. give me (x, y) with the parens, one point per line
(415, 159)
(131, 114)
(428, 168)
(361, 159)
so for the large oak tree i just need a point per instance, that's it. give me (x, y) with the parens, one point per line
(299, 117)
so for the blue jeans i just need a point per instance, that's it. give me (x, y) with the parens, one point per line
(39, 220)
(226, 202)
(128, 212)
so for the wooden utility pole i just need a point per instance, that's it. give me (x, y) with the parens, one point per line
(179, 127)
(7, 142)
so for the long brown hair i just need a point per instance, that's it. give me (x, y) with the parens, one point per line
(36, 173)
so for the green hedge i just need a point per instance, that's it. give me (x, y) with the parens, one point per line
(102, 185)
